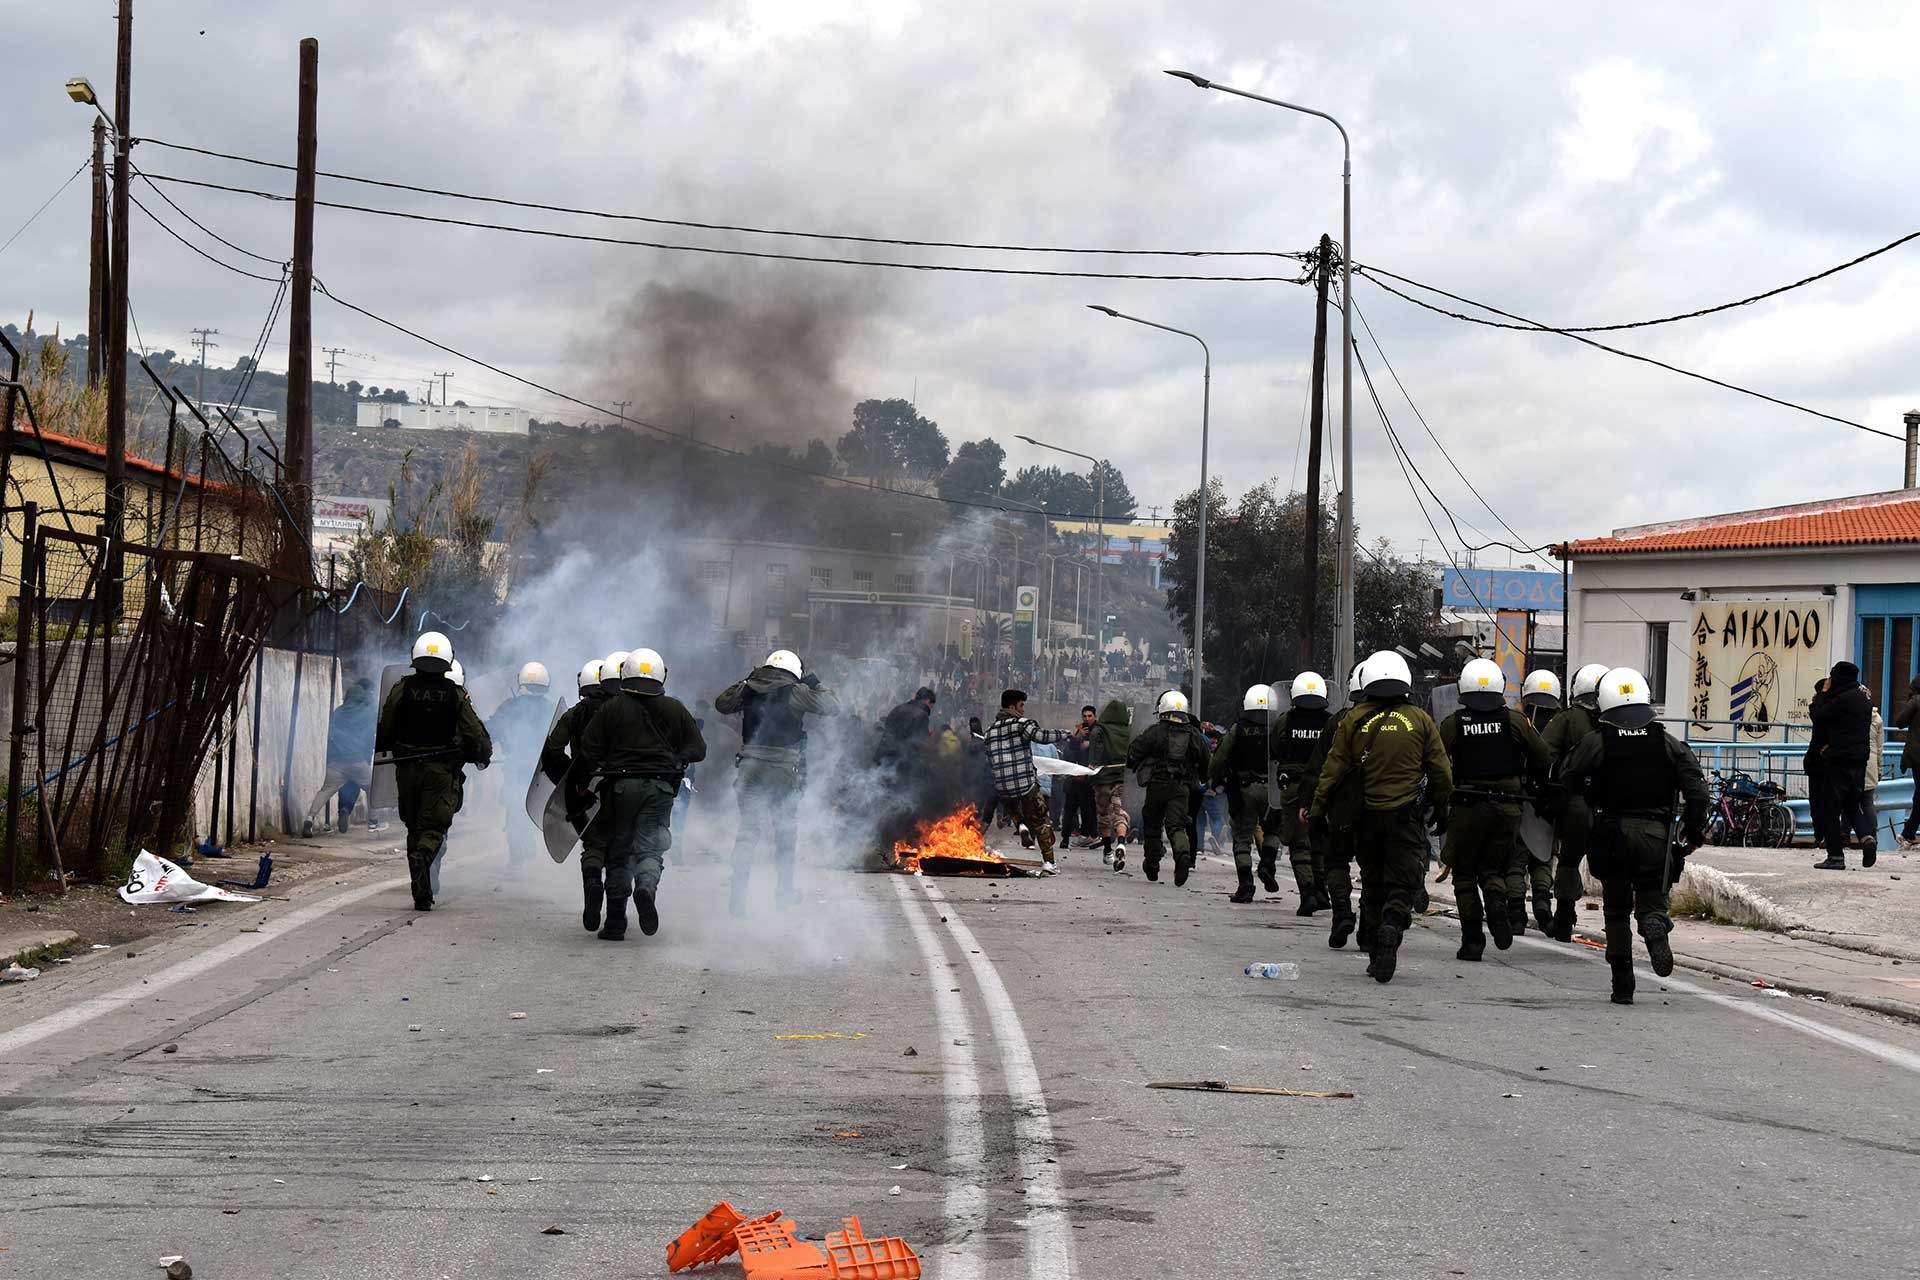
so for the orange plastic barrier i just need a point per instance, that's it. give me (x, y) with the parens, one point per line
(770, 1248)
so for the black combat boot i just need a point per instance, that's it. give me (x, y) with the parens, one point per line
(591, 887)
(615, 929)
(1269, 861)
(1869, 851)
(1386, 952)
(1343, 923)
(1499, 920)
(1659, 951)
(1565, 912)
(1182, 868)
(645, 912)
(1543, 910)
(422, 883)
(1473, 943)
(1245, 892)
(1309, 894)
(1517, 915)
(1622, 981)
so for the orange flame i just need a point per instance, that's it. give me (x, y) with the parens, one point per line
(955, 836)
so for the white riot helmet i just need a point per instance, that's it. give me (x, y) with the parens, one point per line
(534, 678)
(1171, 701)
(1540, 689)
(1483, 685)
(457, 674)
(1355, 682)
(589, 676)
(644, 671)
(610, 670)
(432, 652)
(1258, 697)
(1625, 700)
(786, 660)
(1309, 691)
(1586, 682)
(1385, 675)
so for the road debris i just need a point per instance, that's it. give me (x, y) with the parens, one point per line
(485, 1177)
(850, 1133)
(517, 1017)
(822, 1035)
(169, 1048)
(1286, 971)
(177, 1267)
(1222, 1086)
(770, 1248)
(911, 1052)
(14, 973)
(554, 1231)
(157, 880)
(1509, 1095)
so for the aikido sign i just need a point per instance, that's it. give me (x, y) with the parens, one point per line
(1755, 663)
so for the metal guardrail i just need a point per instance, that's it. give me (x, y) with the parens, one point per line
(1781, 762)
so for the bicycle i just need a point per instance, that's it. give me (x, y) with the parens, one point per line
(1747, 811)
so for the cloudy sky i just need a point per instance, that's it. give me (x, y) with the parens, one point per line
(1568, 166)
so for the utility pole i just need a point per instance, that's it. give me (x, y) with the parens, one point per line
(620, 406)
(116, 461)
(97, 280)
(1310, 566)
(333, 355)
(200, 337)
(297, 482)
(443, 387)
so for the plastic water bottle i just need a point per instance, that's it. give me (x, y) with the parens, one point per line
(1286, 971)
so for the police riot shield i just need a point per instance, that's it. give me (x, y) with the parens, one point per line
(547, 808)
(384, 792)
(1536, 832)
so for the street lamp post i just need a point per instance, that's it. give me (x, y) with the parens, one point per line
(1344, 639)
(1200, 562)
(1100, 558)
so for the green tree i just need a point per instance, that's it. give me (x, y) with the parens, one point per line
(977, 469)
(1254, 596)
(889, 437)
(1120, 503)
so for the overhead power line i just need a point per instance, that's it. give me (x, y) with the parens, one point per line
(1373, 274)
(44, 204)
(1747, 301)
(725, 252)
(730, 227)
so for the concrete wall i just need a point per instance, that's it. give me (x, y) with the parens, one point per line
(279, 807)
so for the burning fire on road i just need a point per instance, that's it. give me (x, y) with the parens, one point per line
(951, 846)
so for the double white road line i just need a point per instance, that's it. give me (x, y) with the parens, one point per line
(1049, 1240)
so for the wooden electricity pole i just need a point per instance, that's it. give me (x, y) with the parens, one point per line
(116, 460)
(1310, 562)
(297, 478)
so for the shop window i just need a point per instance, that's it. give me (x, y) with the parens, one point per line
(1659, 649)
(776, 575)
(863, 580)
(822, 578)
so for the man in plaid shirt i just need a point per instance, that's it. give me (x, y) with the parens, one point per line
(1016, 782)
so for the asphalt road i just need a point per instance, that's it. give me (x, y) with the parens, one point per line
(347, 1076)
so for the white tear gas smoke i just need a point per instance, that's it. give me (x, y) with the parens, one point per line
(629, 578)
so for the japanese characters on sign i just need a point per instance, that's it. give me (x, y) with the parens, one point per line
(1754, 664)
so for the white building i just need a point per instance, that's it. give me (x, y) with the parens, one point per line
(1734, 617)
(244, 414)
(493, 419)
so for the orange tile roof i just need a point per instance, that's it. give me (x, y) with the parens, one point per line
(1867, 523)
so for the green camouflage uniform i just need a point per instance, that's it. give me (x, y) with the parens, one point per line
(771, 769)
(636, 748)
(430, 728)
(1371, 779)
(1170, 756)
(1296, 735)
(1573, 821)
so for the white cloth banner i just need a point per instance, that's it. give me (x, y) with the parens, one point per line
(1064, 768)
(158, 880)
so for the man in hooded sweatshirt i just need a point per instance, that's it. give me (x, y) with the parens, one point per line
(773, 703)
(1108, 739)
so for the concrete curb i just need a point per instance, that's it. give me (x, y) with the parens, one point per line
(22, 942)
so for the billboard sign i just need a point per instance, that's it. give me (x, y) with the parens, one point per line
(1026, 609)
(1754, 665)
(1522, 589)
(1510, 643)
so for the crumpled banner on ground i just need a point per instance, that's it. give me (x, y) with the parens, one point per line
(156, 879)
